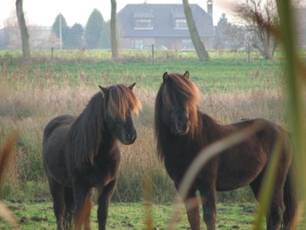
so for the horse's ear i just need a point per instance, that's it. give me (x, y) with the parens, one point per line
(186, 74)
(102, 90)
(165, 76)
(132, 86)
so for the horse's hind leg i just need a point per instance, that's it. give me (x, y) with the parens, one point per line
(274, 216)
(68, 208)
(277, 207)
(57, 192)
(255, 185)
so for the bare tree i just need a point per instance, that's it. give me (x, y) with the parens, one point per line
(258, 13)
(114, 34)
(228, 35)
(23, 30)
(194, 34)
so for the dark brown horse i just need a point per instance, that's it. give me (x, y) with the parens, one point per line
(182, 131)
(81, 153)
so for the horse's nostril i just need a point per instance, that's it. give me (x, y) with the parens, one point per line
(182, 125)
(132, 136)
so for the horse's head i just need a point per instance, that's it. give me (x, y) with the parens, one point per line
(176, 104)
(120, 104)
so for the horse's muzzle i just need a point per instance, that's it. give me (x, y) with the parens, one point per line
(129, 138)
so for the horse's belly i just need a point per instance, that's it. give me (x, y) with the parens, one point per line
(246, 169)
(235, 180)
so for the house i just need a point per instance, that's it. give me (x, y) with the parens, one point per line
(162, 25)
(300, 17)
(40, 37)
(3, 39)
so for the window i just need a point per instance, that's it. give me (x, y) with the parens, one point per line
(143, 24)
(180, 24)
(138, 44)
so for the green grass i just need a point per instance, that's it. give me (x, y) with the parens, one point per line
(131, 215)
(227, 73)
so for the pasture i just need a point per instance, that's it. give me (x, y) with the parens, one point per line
(130, 216)
(31, 94)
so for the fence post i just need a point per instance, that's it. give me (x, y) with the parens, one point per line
(249, 53)
(52, 50)
(153, 54)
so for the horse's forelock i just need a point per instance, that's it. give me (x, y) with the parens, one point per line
(181, 88)
(121, 101)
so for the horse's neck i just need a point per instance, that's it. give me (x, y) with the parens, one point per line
(107, 143)
(212, 130)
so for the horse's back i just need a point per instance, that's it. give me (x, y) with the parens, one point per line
(54, 139)
(268, 132)
(241, 164)
(56, 122)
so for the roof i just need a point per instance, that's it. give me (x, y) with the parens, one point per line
(163, 18)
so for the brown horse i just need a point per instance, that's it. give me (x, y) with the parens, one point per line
(81, 153)
(182, 131)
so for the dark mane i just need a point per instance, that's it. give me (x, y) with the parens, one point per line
(85, 132)
(176, 89)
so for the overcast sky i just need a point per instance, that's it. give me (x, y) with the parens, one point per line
(43, 12)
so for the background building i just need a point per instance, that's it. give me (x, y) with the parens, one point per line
(164, 25)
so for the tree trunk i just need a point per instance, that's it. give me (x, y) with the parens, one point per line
(23, 30)
(195, 37)
(114, 35)
(268, 47)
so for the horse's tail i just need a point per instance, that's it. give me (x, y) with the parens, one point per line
(290, 200)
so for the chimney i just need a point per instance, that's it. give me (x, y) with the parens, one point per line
(210, 9)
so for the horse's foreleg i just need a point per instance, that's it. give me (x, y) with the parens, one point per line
(192, 209)
(80, 196)
(105, 194)
(208, 196)
(86, 212)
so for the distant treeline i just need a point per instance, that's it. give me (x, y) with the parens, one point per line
(94, 35)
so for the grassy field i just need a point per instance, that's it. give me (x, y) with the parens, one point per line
(221, 75)
(125, 216)
(32, 94)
